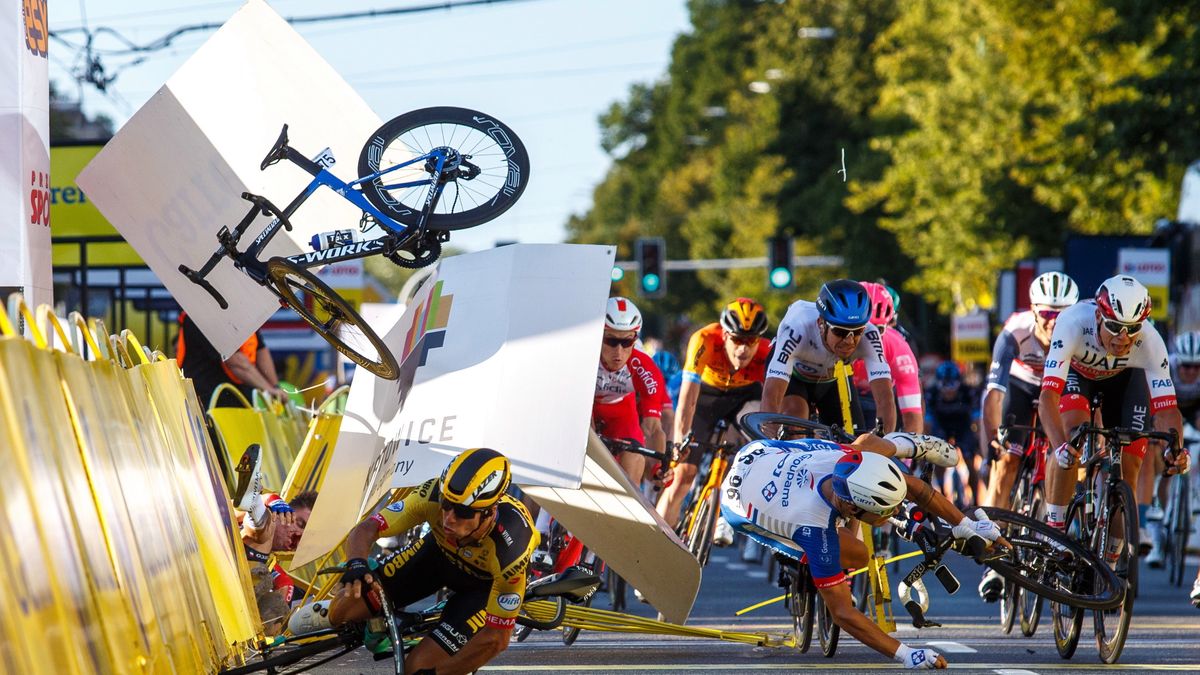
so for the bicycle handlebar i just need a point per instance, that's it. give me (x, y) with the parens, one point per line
(629, 445)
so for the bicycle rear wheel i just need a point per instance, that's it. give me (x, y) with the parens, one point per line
(467, 198)
(1067, 620)
(1033, 556)
(800, 606)
(828, 632)
(332, 317)
(1112, 626)
(1178, 524)
(1029, 604)
(700, 537)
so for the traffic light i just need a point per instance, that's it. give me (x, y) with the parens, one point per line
(779, 263)
(651, 255)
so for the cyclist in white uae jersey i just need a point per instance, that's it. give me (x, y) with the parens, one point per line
(1100, 347)
(798, 496)
(812, 338)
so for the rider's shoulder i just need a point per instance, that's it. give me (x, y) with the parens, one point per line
(513, 534)
(429, 490)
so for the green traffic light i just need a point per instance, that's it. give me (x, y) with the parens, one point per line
(617, 274)
(650, 282)
(781, 277)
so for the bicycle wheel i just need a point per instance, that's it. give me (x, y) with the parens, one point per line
(1067, 620)
(494, 174)
(700, 537)
(1033, 559)
(800, 606)
(1029, 604)
(571, 633)
(1119, 532)
(332, 317)
(828, 632)
(1178, 524)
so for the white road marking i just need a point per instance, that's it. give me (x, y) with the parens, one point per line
(758, 574)
(1014, 671)
(951, 647)
(736, 566)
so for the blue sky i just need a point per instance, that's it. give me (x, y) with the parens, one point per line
(547, 68)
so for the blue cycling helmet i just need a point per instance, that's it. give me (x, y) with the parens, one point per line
(845, 303)
(947, 371)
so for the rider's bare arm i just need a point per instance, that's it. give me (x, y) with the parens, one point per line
(689, 394)
(841, 605)
(885, 403)
(1052, 421)
(772, 398)
(993, 402)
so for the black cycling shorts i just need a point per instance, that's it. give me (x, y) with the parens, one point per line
(1020, 406)
(1126, 401)
(421, 569)
(823, 396)
(715, 405)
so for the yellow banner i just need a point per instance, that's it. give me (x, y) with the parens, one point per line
(73, 215)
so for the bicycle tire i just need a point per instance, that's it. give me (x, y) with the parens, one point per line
(1178, 524)
(571, 633)
(800, 606)
(1030, 604)
(289, 278)
(506, 173)
(1067, 620)
(828, 631)
(1112, 627)
(701, 535)
(281, 660)
(1028, 539)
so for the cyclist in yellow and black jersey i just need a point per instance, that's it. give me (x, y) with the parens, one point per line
(479, 546)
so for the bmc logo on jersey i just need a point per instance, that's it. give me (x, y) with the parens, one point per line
(769, 491)
(509, 601)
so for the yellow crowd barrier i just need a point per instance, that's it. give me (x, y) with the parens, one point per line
(116, 534)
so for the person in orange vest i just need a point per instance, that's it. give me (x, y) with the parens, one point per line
(250, 367)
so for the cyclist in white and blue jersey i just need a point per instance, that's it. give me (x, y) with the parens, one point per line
(797, 497)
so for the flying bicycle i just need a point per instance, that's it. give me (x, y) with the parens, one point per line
(422, 175)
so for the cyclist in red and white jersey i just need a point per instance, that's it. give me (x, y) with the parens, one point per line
(1013, 383)
(1101, 346)
(812, 338)
(629, 387)
(906, 374)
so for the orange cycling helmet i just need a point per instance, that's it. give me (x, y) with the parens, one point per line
(744, 317)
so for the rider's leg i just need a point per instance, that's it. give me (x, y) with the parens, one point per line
(854, 551)
(462, 621)
(1004, 474)
(672, 497)
(634, 465)
(1060, 480)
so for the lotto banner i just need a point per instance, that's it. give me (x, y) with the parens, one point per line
(969, 341)
(25, 150)
(498, 349)
(1152, 267)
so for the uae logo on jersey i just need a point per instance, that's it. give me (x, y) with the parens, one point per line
(769, 491)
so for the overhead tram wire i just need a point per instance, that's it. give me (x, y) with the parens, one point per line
(94, 72)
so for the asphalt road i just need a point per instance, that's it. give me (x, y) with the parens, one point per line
(1165, 635)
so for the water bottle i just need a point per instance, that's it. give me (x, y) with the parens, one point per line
(332, 238)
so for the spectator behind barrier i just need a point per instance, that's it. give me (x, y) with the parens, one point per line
(251, 367)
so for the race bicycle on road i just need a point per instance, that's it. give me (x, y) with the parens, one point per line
(421, 175)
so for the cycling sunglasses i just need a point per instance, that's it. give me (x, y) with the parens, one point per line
(460, 511)
(1115, 327)
(1049, 314)
(618, 342)
(843, 333)
(742, 339)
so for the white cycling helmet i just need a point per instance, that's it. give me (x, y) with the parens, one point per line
(1123, 298)
(1053, 289)
(622, 314)
(1187, 348)
(869, 481)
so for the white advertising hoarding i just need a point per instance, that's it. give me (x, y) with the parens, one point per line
(173, 175)
(25, 150)
(1152, 267)
(498, 349)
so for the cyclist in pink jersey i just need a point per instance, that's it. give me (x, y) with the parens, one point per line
(906, 375)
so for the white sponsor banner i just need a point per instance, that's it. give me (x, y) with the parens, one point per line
(173, 175)
(969, 337)
(610, 515)
(1152, 267)
(1189, 196)
(25, 156)
(498, 349)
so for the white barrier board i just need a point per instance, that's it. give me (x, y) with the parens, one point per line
(174, 174)
(498, 349)
(618, 525)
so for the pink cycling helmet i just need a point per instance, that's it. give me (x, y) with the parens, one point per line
(882, 309)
